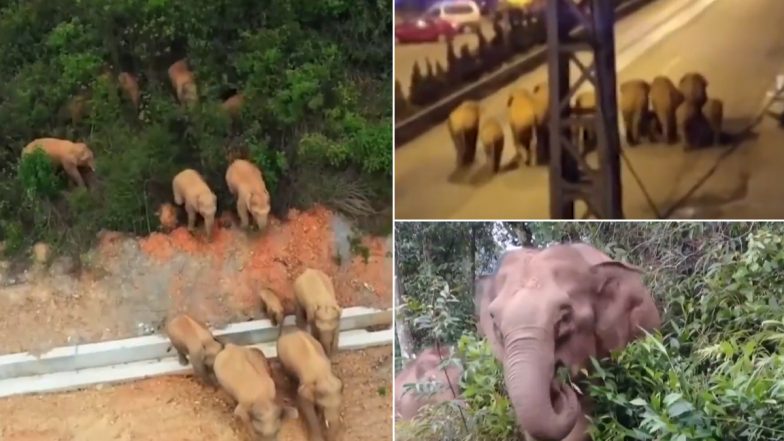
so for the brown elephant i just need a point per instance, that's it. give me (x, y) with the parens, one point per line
(693, 86)
(559, 306)
(541, 100)
(272, 307)
(315, 304)
(714, 113)
(66, 154)
(194, 342)
(189, 189)
(183, 82)
(634, 108)
(130, 87)
(320, 391)
(425, 368)
(491, 135)
(233, 105)
(245, 375)
(522, 122)
(246, 183)
(463, 125)
(665, 99)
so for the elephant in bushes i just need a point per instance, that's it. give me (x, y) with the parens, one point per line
(559, 306)
(422, 369)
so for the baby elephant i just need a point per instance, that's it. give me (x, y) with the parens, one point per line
(320, 391)
(247, 185)
(193, 341)
(190, 189)
(183, 82)
(272, 307)
(315, 305)
(245, 374)
(66, 154)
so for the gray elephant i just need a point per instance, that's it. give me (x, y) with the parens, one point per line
(665, 99)
(634, 108)
(693, 86)
(559, 306)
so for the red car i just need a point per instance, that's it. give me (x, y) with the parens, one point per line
(423, 30)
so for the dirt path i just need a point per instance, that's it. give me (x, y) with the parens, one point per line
(178, 408)
(131, 284)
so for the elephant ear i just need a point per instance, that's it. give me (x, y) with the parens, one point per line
(483, 297)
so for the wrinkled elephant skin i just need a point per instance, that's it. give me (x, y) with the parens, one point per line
(559, 306)
(425, 368)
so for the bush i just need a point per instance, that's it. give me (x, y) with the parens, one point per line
(317, 98)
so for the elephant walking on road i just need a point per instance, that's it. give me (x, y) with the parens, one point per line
(559, 305)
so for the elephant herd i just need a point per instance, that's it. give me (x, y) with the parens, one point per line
(246, 376)
(659, 110)
(540, 310)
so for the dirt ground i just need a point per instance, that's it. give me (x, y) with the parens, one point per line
(178, 408)
(128, 285)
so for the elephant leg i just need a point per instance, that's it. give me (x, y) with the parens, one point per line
(181, 354)
(671, 127)
(628, 123)
(73, 171)
(242, 212)
(636, 126)
(299, 314)
(542, 145)
(312, 420)
(191, 216)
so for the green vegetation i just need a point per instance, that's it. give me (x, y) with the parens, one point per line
(315, 77)
(714, 372)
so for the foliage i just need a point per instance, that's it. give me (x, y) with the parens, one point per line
(715, 369)
(315, 81)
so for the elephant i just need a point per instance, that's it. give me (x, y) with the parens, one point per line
(315, 305)
(167, 216)
(320, 391)
(559, 306)
(714, 113)
(193, 341)
(130, 87)
(492, 136)
(694, 86)
(183, 82)
(634, 108)
(541, 100)
(246, 183)
(66, 154)
(585, 104)
(425, 367)
(233, 105)
(693, 125)
(522, 121)
(190, 190)
(245, 374)
(463, 125)
(272, 307)
(665, 99)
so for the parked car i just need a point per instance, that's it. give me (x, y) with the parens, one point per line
(463, 15)
(423, 30)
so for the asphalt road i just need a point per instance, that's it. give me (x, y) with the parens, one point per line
(408, 54)
(738, 45)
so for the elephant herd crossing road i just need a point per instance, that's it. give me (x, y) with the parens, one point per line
(658, 110)
(543, 308)
(245, 374)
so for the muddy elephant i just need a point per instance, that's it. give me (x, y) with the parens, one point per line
(130, 87)
(194, 342)
(522, 122)
(425, 368)
(183, 82)
(634, 108)
(665, 99)
(320, 391)
(246, 183)
(463, 125)
(559, 306)
(714, 113)
(315, 304)
(491, 135)
(189, 189)
(66, 154)
(272, 307)
(541, 100)
(693, 86)
(245, 375)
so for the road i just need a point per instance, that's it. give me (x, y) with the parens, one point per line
(408, 54)
(668, 37)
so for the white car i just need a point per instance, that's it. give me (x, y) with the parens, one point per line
(463, 15)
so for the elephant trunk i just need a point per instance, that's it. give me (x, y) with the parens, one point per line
(529, 368)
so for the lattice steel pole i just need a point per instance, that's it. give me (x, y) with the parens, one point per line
(571, 177)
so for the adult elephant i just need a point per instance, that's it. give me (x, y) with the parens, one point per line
(425, 367)
(544, 308)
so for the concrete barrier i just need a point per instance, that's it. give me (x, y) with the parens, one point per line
(94, 355)
(421, 121)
